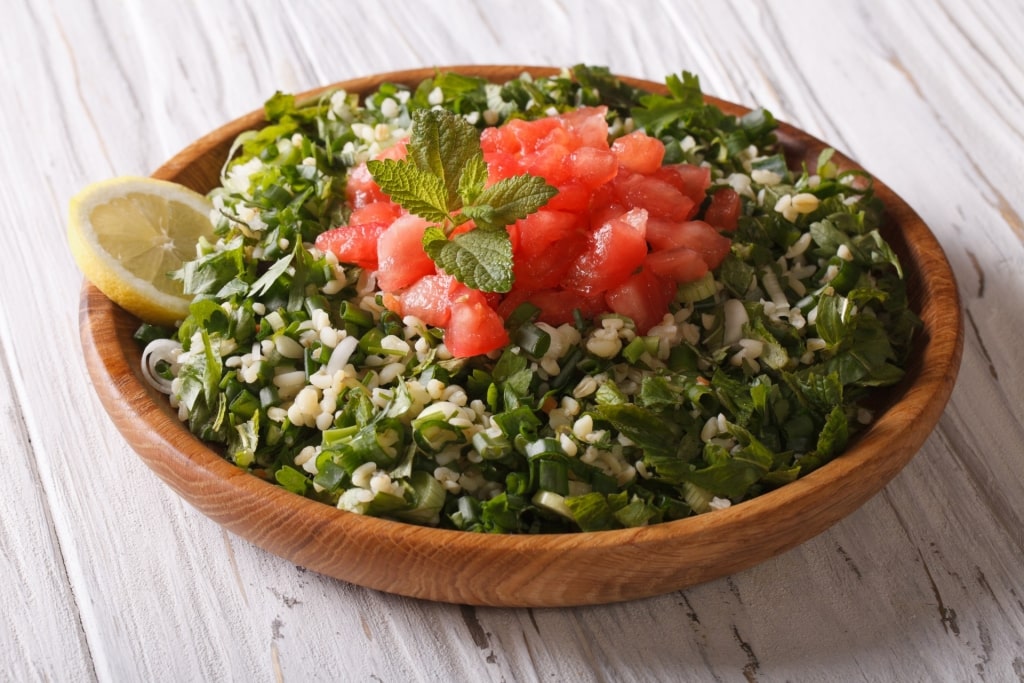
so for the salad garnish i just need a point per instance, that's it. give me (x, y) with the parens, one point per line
(443, 180)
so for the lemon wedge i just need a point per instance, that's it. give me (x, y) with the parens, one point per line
(128, 234)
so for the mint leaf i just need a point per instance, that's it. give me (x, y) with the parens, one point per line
(443, 144)
(433, 240)
(510, 199)
(417, 191)
(481, 259)
(474, 175)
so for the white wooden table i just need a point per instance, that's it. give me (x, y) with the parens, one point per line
(107, 575)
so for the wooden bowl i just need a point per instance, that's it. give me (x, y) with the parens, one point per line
(552, 570)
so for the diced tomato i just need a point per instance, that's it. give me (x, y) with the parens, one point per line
(592, 166)
(558, 136)
(644, 297)
(543, 245)
(692, 181)
(356, 244)
(663, 234)
(474, 327)
(429, 299)
(547, 268)
(360, 189)
(605, 204)
(502, 140)
(724, 210)
(552, 163)
(613, 251)
(695, 235)
(529, 133)
(557, 306)
(538, 231)
(501, 165)
(572, 196)
(679, 264)
(639, 152)
(706, 241)
(376, 212)
(660, 198)
(511, 301)
(589, 125)
(400, 254)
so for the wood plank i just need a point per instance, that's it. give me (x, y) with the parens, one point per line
(41, 625)
(114, 578)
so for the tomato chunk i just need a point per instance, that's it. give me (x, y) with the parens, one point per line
(692, 181)
(644, 297)
(589, 126)
(661, 199)
(593, 166)
(400, 255)
(639, 152)
(557, 306)
(544, 245)
(429, 299)
(360, 188)
(724, 210)
(679, 264)
(474, 327)
(613, 251)
(356, 244)
(695, 235)
(375, 212)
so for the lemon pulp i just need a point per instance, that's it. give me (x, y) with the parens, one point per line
(129, 234)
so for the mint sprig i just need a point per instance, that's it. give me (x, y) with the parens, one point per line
(443, 180)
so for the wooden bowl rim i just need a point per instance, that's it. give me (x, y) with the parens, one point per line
(821, 498)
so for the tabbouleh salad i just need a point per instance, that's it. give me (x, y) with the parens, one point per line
(549, 305)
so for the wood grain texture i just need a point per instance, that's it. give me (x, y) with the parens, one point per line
(110, 576)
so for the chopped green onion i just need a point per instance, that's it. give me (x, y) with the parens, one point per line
(553, 475)
(532, 339)
(552, 502)
(698, 290)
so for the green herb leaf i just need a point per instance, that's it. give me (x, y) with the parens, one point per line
(657, 435)
(474, 176)
(268, 278)
(418, 191)
(443, 144)
(291, 479)
(591, 511)
(510, 199)
(481, 259)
